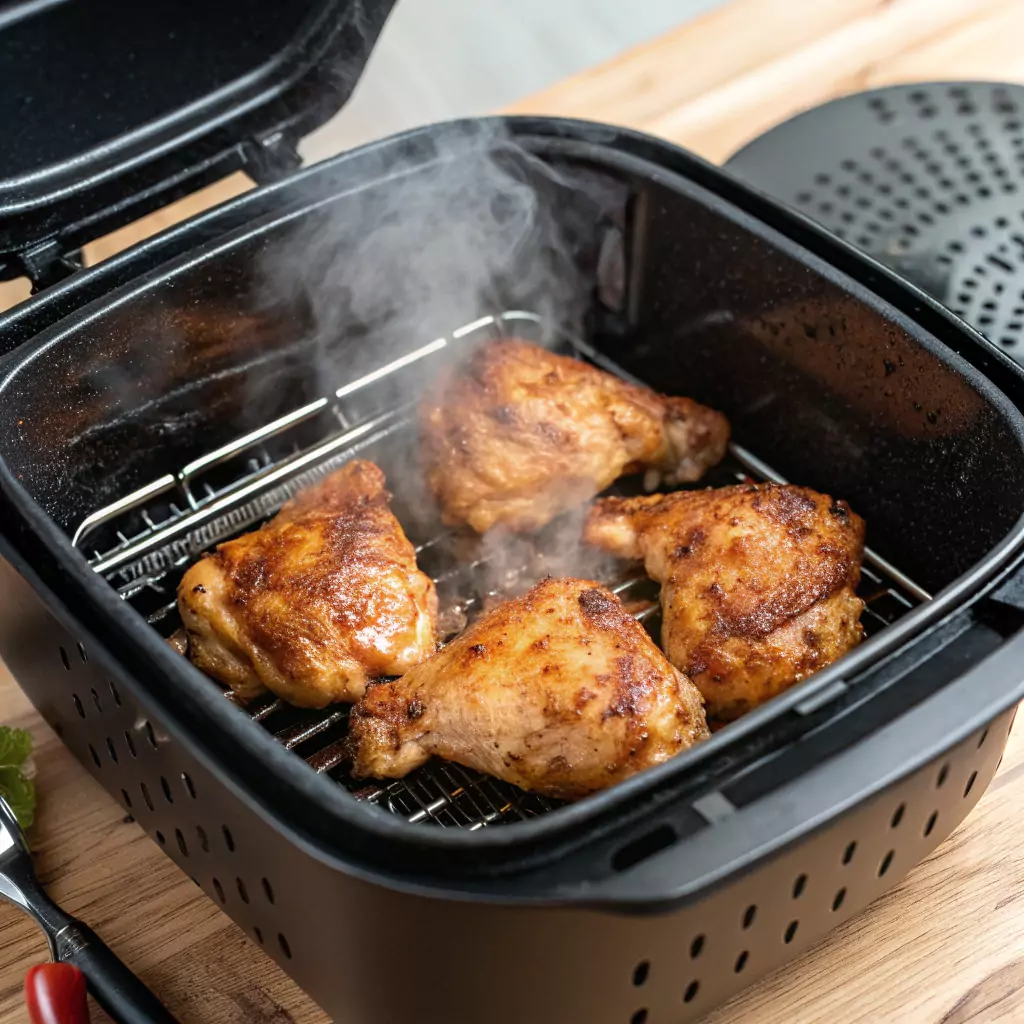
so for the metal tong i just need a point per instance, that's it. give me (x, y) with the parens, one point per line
(112, 985)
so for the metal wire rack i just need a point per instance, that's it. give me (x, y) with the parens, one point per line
(143, 543)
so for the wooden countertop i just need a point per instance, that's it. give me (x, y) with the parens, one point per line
(947, 945)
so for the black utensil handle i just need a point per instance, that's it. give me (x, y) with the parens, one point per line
(110, 982)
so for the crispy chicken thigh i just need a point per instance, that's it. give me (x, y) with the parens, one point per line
(559, 691)
(322, 597)
(520, 434)
(758, 583)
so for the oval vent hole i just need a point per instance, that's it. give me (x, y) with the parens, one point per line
(82, 654)
(931, 823)
(970, 783)
(65, 659)
(943, 774)
(181, 842)
(130, 743)
(189, 785)
(790, 933)
(166, 787)
(229, 839)
(259, 935)
(96, 700)
(244, 893)
(204, 840)
(691, 992)
(268, 890)
(658, 839)
(886, 862)
(78, 705)
(897, 815)
(114, 692)
(799, 885)
(160, 838)
(741, 961)
(640, 972)
(286, 949)
(150, 735)
(749, 914)
(111, 750)
(984, 735)
(838, 901)
(850, 850)
(127, 799)
(95, 756)
(219, 889)
(145, 795)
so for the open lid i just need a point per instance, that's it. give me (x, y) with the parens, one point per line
(112, 108)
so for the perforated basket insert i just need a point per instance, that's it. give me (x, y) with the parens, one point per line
(925, 178)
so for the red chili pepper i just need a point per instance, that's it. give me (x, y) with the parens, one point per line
(55, 994)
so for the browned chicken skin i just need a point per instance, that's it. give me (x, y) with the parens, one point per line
(520, 434)
(758, 583)
(324, 596)
(559, 691)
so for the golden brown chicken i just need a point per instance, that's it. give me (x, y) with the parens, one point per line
(758, 583)
(322, 597)
(520, 434)
(559, 691)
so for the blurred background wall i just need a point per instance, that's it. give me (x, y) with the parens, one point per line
(446, 58)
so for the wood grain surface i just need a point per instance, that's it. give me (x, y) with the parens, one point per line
(947, 945)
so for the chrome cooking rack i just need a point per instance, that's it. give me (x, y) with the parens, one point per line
(143, 543)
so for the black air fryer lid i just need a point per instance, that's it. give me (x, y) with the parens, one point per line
(112, 108)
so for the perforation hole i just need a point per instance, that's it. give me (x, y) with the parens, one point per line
(126, 799)
(268, 890)
(930, 824)
(850, 850)
(189, 786)
(970, 783)
(204, 839)
(229, 839)
(897, 816)
(691, 992)
(243, 893)
(259, 935)
(799, 885)
(166, 787)
(130, 743)
(942, 776)
(696, 947)
(790, 934)
(78, 705)
(984, 735)
(145, 795)
(65, 659)
(749, 914)
(95, 756)
(838, 899)
(82, 654)
(111, 750)
(741, 961)
(287, 950)
(219, 890)
(181, 842)
(114, 692)
(886, 863)
(151, 735)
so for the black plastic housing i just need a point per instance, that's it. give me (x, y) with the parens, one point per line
(839, 374)
(112, 109)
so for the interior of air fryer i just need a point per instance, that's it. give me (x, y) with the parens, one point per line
(189, 410)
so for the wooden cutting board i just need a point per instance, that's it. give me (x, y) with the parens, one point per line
(947, 945)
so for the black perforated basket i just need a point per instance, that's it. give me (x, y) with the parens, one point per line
(654, 900)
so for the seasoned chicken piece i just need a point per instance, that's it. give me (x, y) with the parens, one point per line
(322, 597)
(758, 583)
(559, 691)
(519, 434)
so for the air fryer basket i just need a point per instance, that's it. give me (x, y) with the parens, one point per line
(741, 852)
